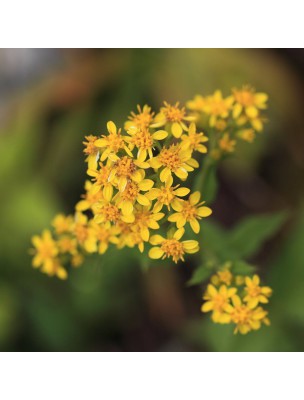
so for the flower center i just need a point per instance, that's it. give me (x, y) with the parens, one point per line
(170, 157)
(173, 248)
(189, 211)
(81, 232)
(166, 195)
(46, 250)
(219, 302)
(125, 167)
(131, 191)
(253, 291)
(244, 97)
(90, 146)
(102, 234)
(173, 113)
(143, 119)
(103, 175)
(115, 142)
(142, 139)
(241, 315)
(111, 212)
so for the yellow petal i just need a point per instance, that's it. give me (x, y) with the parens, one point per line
(204, 211)
(160, 135)
(176, 130)
(195, 225)
(108, 192)
(156, 252)
(165, 173)
(154, 163)
(251, 112)
(126, 207)
(145, 184)
(181, 192)
(190, 244)
(111, 127)
(181, 173)
(143, 200)
(194, 198)
(156, 239)
(206, 307)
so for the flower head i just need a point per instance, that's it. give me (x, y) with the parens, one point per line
(255, 293)
(218, 301)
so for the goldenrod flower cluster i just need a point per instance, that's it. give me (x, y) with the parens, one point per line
(237, 300)
(232, 118)
(135, 195)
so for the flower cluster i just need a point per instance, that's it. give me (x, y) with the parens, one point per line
(232, 118)
(236, 300)
(135, 194)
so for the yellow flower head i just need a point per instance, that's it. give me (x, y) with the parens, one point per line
(197, 104)
(193, 140)
(89, 199)
(45, 250)
(174, 160)
(191, 211)
(218, 107)
(172, 246)
(227, 144)
(144, 141)
(218, 301)
(167, 195)
(111, 143)
(246, 317)
(145, 219)
(91, 151)
(247, 135)
(62, 223)
(224, 276)
(142, 119)
(84, 233)
(247, 100)
(255, 293)
(175, 116)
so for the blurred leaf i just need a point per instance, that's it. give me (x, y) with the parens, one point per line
(199, 275)
(242, 267)
(248, 236)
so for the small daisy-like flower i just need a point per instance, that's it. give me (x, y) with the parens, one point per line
(101, 178)
(218, 301)
(91, 151)
(225, 276)
(105, 234)
(172, 246)
(246, 317)
(255, 293)
(249, 101)
(144, 141)
(142, 119)
(190, 211)
(89, 199)
(247, 135)
(84, 233)
(111, 143)
(218, 107)
(197, 104)
(67, 244)
(167, 195)
(62, 223)
(125, 169)
(54, 268)
(132, 194)
(193, 140)
(227, 144)
(45, 250)
(175, 117)
(174, 160)
(145, 219)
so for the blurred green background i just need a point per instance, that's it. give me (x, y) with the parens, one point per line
(49, 100)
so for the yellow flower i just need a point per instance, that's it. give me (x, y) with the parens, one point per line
(247, 135)
(91, 151)
(172, 246)
(55, 269)
(224, 276)
(105, 234)
(132, 193)
(246, 317)
(89, 199)
(107, 211)
(193, 140)
(256, 294)
(197, 104)
(145, 219)
(77, 260)
(249, 101)
(67, 244)
(218, 301)
(84, 233)
(144, 141)
(62, 223)
(226, 144)
(167, 195)
(174, 160)
(142, 119)
(174, 116)
(217, 107)
(45, 250)
(112, 143)
(125, 169)
(189, 211)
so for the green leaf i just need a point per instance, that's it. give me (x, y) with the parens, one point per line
(248, 236)
(241, 267)
(199, 275)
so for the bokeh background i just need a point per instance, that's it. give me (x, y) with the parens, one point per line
(50, 99)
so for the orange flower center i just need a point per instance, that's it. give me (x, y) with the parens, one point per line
(90, 146)
(245, 97)
(173, 113)
(125, 167)
(170, 157)
(143, 139)
(111, 212)
(131, 191)
(189, 211)
(173, 248)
